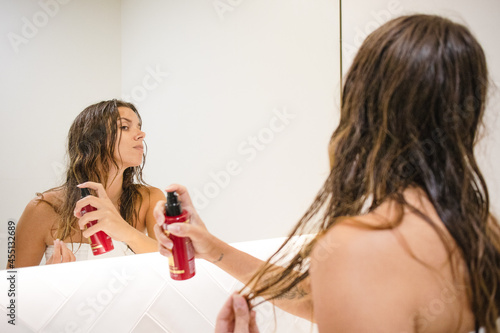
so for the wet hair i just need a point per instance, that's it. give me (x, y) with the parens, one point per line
(92, 140)
(412, 104)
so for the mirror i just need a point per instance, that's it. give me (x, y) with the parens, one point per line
(227, 91)
(209, 79)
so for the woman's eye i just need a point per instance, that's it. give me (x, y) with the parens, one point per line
(124, 128)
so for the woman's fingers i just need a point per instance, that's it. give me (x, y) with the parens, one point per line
(225, 319)
(101, 192)
(89, 217)
(72, 256)
(56, 256)
(183, 229)
(196, 233)
(161, 237)
(236, 317)
(241, 314)
(95, 202)
(194, 217)
(183, 193)
(92, 230)
(67, 255)
(61, 253)
(253, 323)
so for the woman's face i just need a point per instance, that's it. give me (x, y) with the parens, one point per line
(129, 147)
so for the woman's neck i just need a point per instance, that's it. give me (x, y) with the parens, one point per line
(114, 186)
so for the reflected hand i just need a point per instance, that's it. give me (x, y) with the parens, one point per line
(108, 218)
(61, 254)
(203, 241)
(236, 317)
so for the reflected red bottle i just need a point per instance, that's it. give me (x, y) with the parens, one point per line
(100, 242)
(181, 263)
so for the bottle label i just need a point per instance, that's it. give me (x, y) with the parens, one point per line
(172, 268)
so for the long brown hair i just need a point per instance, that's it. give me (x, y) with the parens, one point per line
(91, 153)
(412, 104)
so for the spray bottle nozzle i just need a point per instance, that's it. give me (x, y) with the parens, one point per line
(172, 197)
(84, 192)
(173, 206)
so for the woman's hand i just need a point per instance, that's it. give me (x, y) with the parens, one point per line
(236, 317)
(61, 254)
(108, 218)
(203, 241)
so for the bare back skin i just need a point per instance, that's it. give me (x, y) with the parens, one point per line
(390, 280)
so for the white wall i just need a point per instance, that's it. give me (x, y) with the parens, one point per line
(360, 17)
(70, 60)
(224, 74)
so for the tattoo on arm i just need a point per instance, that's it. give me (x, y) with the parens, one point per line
(220, 259)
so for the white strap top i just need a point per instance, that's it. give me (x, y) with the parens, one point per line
(82, 251)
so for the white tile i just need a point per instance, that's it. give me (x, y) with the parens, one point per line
(174, 312)
(37, 300)
(19, 327)
(205, 295)
(223, 279)
(127, 307)
(67, 284)
(149, 325)
(104, 299)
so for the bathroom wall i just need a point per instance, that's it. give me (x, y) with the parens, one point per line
(243, 108)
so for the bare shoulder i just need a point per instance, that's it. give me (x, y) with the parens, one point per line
(361, 273)
(392, 278)
(153, 196)
(352, 243)
(150, 196)
(33, 230)
(44, 207)
(148, 192)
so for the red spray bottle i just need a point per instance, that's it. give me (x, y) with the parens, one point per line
(181, 263)
(100, 242)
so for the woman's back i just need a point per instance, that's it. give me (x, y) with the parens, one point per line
(397, 278)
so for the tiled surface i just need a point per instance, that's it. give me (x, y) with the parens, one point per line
(177, 313)
(131, 294)
(148, 324)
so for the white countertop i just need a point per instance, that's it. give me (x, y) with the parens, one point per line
(131, 294)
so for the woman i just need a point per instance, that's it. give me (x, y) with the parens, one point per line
(405, 239)
(105, 148)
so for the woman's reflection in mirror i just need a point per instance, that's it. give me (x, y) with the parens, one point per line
(106, 154)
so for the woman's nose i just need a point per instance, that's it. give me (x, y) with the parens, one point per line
(140, 135)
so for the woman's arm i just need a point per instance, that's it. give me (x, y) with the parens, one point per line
(155, 195)
(243, 266)
(111, 222)
(31, 230)
(239, 264)
(138, 241)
